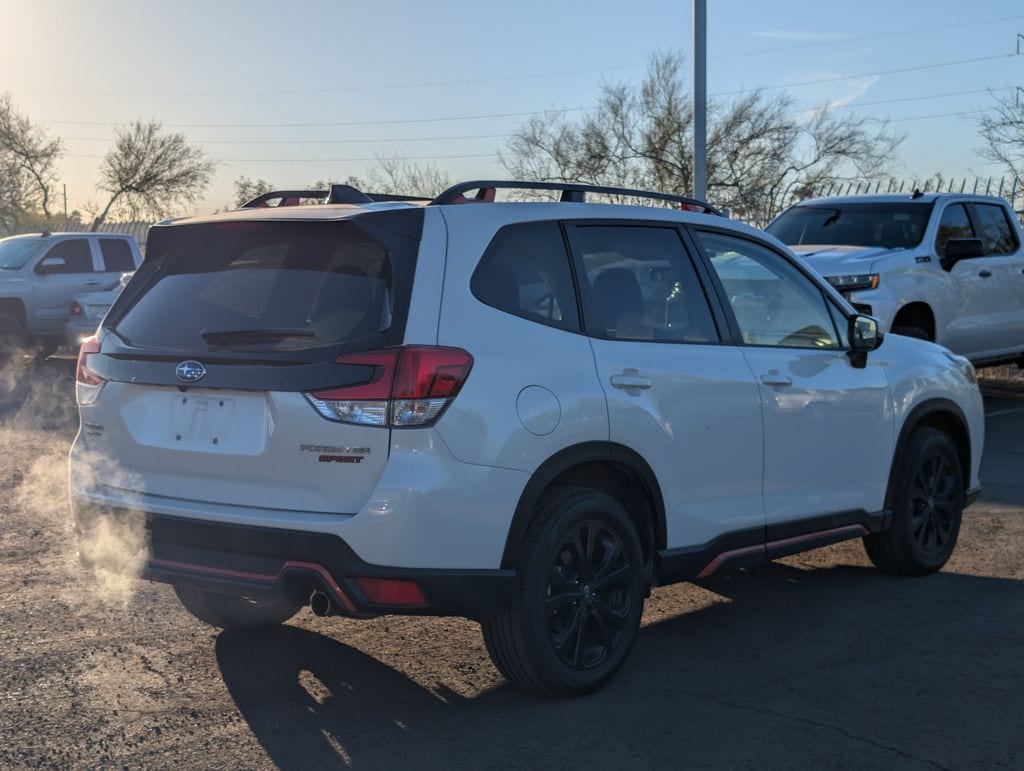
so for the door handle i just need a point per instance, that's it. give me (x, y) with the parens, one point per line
(985, 273)
(630, 379)
(92, 283)
(775, 379)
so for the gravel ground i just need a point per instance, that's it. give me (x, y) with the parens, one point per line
(816, 660)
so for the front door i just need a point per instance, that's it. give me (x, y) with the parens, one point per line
(62, 271)
(828, 425)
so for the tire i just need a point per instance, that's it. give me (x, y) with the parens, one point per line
(928, 506)
(917, 332)
(12, 337)
(570, 625)
(226, 611)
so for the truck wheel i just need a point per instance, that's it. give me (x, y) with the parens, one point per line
(226, 611)
(578, 598)
(927, 508)
(12, 337)
(917, 332)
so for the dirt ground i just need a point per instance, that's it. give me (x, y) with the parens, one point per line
(817, 660)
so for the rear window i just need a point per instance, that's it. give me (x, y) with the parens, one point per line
(268, 286)
(886, 225)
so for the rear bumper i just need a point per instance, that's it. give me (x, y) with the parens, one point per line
(79, 328)
(262, 563)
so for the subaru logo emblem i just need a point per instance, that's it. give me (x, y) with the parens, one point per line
(190, 371)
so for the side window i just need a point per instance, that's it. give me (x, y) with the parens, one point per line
(642, 285)
(954, 224)
(75, 253)
(525, 271)
(774, 303)
(117, 255)
(995, 232)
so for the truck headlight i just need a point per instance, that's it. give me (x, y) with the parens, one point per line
(853, 283)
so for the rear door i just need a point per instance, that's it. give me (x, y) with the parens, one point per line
(677, 394)
(213, 352)
(1002, 281)
(828, 426)
(70, 269)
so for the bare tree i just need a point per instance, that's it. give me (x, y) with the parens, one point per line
(28, 165)
(149, 171)
(1002, 135)
(246, 189)
(762, 151)
(398, 176)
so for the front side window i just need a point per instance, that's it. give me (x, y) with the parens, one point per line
(773, 302)
(525, 271)
(994, 229)
(642, 285)
(75, 253)
(117, 255)
(954, 224)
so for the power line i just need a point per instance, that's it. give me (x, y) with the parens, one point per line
(326, 125)
(353, 89)
(326, 160)
(377, 140)
(819, 81)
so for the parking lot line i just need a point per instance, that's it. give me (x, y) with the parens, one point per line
(1004, 412)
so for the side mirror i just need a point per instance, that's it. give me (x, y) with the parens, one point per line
(864, 336)
(961, 249)
(51, 265)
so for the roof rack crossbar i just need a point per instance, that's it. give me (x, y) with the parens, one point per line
(337, 194)
(261, 200)
(570, 192)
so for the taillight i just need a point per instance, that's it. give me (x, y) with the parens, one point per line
(87, 383)
(408, 386)
(75, 309)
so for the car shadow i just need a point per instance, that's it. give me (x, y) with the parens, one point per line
(778, 666)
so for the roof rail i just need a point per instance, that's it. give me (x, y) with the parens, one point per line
(570, 192)
(285, 196)
(337, 194)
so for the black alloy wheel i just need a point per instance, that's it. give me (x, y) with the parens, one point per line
(589, 595)
(928, 500)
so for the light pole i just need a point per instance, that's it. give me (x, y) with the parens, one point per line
(700, 99)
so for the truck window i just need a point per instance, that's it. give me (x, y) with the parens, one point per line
(954, 224)
(994, 229)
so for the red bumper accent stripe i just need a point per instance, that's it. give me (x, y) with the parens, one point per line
(314, 567)
(850, 531)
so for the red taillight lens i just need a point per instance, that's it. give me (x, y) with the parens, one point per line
(430, 372)
(75, 309)
(90, 345)
(388, 591)
(87, 383)
(408, 386)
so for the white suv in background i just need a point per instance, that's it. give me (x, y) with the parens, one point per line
(523, 413)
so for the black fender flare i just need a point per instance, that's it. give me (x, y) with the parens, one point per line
(912, 421)
(566, 459)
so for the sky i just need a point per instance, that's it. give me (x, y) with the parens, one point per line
(448, 81)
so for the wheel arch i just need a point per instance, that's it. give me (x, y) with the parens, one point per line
(943, 415)
(607, 466)
(15, 308)
(917, 313)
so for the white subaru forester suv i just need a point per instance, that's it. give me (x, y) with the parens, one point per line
(525, 413)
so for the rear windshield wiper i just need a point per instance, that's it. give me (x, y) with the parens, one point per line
(242, 336)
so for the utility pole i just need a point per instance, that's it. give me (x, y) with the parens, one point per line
(65, 201)
(700, 99)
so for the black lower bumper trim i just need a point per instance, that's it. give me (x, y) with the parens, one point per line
(263, 562)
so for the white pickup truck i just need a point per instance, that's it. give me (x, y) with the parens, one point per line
(40, 273)
(946, 267)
